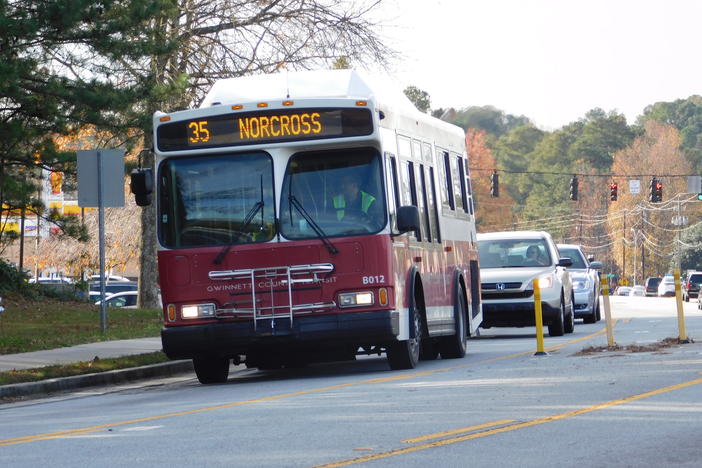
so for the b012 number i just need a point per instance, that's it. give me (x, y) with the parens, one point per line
(378, 279)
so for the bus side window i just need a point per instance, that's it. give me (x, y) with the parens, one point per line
(424, 205)
(461, 176)
(393, 189)
(449, 183)
(434, 207)
(456, 177)
(469, 186)
(413, 195)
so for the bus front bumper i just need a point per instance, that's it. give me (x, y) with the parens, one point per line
(308, 332)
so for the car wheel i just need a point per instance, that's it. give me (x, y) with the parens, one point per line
(454, 346)
(405, 354)
(569, 325)
(211, 369)
(595, 315)
(556, 328)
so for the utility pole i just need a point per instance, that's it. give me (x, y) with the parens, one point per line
(624, 251)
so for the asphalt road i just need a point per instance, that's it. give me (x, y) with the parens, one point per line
(499, 406)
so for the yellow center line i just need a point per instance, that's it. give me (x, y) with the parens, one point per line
(512, 427)
(461, 430)
(89, 429)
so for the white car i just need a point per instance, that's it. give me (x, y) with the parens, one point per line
(509, 264)
(638, 291)
(586, 282)
(124, 299)
(667, 286)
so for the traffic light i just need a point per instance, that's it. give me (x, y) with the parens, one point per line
(658, 188)
(494, 184)
(613, 191)
(574, 188)
(699, 196)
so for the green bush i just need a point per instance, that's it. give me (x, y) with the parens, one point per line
(11, 279)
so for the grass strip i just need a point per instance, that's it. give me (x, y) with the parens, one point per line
(80, 368)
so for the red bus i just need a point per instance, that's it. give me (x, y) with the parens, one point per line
(313, 216)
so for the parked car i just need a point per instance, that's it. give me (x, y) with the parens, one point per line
(666, 286)
(509, 263)
(108, 278)
(622, 291)
(651, 285)
(692, 285)
(638, 291)
(124, 299)
(117, 286)
(586, 282)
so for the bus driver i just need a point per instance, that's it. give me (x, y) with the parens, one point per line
(353, 202)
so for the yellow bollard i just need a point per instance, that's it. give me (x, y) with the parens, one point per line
(682, 336)
(608, 316)
(539, 320)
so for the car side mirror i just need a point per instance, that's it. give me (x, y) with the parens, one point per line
(407, 218)
(565, 262)
(142, 186)
(596, 265)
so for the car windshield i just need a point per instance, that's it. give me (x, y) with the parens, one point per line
(695, 278)
(216, 200)
(575, 255)
(507, 253)
(339, 192)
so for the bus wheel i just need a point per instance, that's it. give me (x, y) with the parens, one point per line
(211, 369)
(405, 354)
(454, 346)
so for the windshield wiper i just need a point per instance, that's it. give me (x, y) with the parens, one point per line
(249, 217)
(318, 230)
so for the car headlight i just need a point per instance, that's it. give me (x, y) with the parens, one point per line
(581, 283)
(545, 282)
(356, 299)
(194, 311)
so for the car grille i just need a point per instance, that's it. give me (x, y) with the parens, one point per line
(493, 286)
(508, 295)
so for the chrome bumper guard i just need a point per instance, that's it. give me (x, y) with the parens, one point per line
(286, 276)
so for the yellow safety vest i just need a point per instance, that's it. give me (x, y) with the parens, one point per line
(340, 204)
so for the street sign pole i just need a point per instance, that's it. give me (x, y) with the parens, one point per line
(99, 186)
(101, 244)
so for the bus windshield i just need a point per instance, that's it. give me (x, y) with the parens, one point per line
(340, 190)
(216, 200)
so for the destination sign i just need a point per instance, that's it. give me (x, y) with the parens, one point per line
(247, 128)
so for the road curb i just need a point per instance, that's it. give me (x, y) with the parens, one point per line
(101, 378)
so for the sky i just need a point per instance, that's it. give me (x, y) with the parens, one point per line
(549, 60)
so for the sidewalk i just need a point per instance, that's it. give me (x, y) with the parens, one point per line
(83, 352)
(86, 352)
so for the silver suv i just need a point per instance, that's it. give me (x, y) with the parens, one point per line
(509, 262)
(586, 282)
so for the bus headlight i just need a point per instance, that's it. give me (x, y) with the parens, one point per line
(193, 311)
(356, 299)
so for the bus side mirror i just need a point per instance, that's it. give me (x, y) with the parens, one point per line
(407, 218)
(142, 185)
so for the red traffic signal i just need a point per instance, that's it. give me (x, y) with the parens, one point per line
(613, 191)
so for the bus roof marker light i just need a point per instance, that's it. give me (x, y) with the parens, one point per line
(165, 118)
(361, 103)
(288, 103)
(237, 107)
(262, 104)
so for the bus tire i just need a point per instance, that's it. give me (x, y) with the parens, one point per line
(211, 369)
(454, 346)
(405, 354)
